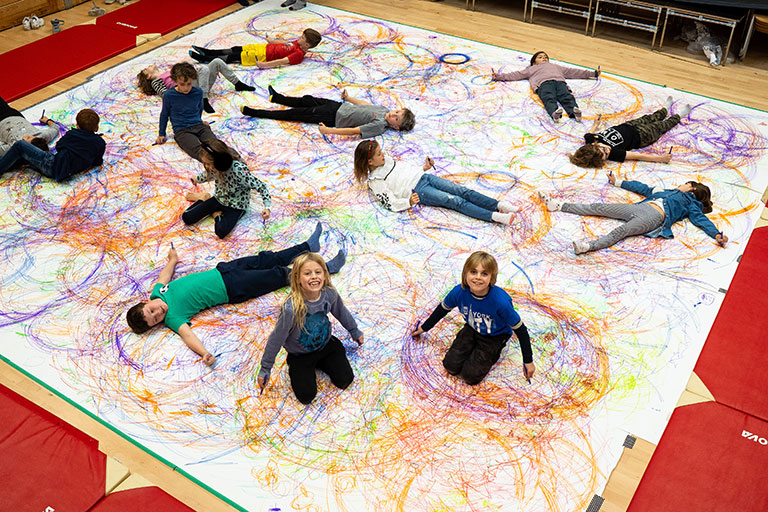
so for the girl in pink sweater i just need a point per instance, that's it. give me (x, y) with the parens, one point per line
(548, 81)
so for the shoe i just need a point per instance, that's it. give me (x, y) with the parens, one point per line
(198, 57)
(109, 2)
(96, 10)
(300, 4)
(26, 23)
(199, 49)
(35, 22)
(57, 23)
(580, 247)
(557, 114)
(552, 205)
(287, 3)
(685, 111)
(577, 114)
(244, 3)
(502, 218)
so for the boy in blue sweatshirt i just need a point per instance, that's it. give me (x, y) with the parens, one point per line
(77, 151)
(183, 105)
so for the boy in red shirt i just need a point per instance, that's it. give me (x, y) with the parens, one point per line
(274, 53)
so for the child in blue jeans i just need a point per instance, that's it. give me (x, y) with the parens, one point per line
(399, 187)
(490, 318)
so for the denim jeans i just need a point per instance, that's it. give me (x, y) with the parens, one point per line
(436, 191)
(22, 152)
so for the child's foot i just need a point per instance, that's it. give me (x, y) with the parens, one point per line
(207, 106)
(199, 49)
(580, 247)
(552, 205)
(272, 93)
(685, 111)
(501, 218)
(209, 359)
(197, 196)
(240, 86)
(577, 114)
(300, 4)
(335, 264)
(314, 239)
(248, 111)
(557, 114)
(244, 3)
(505, 207)
(668, 103)
(287, 3)
(198, 56)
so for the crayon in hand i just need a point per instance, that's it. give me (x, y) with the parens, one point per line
(525, 374)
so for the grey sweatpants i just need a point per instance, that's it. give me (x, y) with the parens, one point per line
(208, 73)
(639, 218)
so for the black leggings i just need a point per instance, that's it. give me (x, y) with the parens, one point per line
(224, 224)
(306, 109)
(332, 359)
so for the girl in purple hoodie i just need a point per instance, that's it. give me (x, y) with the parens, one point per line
(548, 81)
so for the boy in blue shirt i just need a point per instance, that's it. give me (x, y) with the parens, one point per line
(183, 104)
(490, 318)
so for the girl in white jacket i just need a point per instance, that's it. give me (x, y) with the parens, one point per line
(398, 187)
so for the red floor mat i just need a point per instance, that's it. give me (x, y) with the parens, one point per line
(140, 500)
(46, 464)
(58, 56)
(710, 458)
(733, 362)
(155, 16)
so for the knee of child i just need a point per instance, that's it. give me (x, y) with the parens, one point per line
(345, 381)
(221, 231)
(187, 218)
(306, 397)
(471, 378)
(451, 368)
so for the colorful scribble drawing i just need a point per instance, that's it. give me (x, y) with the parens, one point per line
(615, 334)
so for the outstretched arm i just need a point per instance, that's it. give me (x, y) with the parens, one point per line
(167, 273)
(645, 157)
(596, 125)
(193, 342)
(355, 101)
(702, 222)
(326, 130)
(273, 63)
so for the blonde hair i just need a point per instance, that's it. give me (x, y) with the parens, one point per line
(483, 259)
(363, 154)
(296, 297)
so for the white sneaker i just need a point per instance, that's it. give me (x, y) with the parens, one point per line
(552, 205)
(580, 247)
(36, 22)
(502, 218)
(557, 114)
(108, 2)
(26, 24)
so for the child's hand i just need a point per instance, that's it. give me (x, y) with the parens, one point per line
(323, 129)
(530, 369)
(360, 340)
(44, 120)
(418, 332)
(597, 72)
(414, 199)
(428, 164)
(262, 382)
(344, 95)
(494, 75)
(265, 214)
(209, 359)
(160, 139)
(721, 239)
(611, 178)
(172, 255)
(665, 158)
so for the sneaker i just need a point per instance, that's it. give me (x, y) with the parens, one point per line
(108, 2)
(35, 22)
(577, 114)
(26, 23)
(287, 3)
(502, 218)
(580, 247)
(300, 4)
(557, 114)
(96, 10)
(552, 205)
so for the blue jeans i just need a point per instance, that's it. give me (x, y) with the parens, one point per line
(22, 152)
(436, 191)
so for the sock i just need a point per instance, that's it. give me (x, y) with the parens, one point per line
(272, 93)
(207, 106)
(668, 103)
(199, 49)
(199, 57)
(505, 207)
(314, 239)
(240, 86)
(685, 111)
(501, 218)
(248, 111)
(300, 4)
(337, 262)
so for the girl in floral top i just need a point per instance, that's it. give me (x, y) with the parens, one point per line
(234, 183)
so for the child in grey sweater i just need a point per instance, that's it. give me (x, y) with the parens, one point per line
(14, 127)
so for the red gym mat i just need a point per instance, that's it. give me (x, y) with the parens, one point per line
(159, 16)
(45, 463)
(734, 360)
(710, 458)
(140, 500)
(58, 56)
